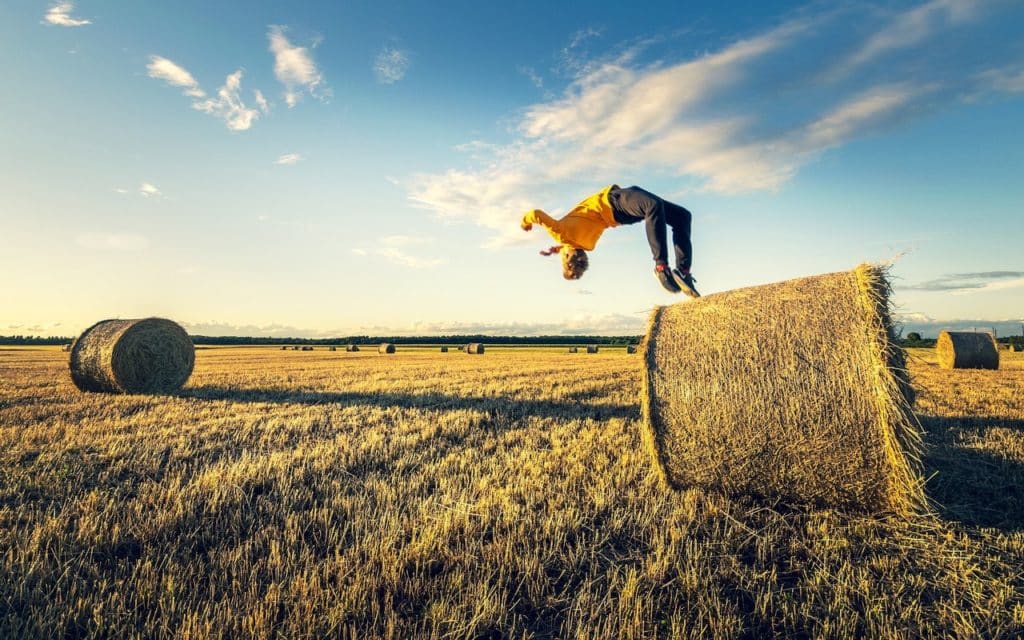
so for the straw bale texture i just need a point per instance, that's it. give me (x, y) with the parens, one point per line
(151, 355)
(475, 348)
(386, 347)
(966, 350)
(591, 348)
(795, 391)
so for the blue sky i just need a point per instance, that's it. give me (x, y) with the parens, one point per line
(340, 168)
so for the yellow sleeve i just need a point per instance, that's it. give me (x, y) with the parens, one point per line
(537, 216)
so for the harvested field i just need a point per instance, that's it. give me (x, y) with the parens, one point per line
(304, 495)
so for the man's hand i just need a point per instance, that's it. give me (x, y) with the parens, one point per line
(525, 226)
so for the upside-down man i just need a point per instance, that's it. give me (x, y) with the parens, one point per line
(579, 230)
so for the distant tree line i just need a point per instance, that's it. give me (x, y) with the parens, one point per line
(361, 340)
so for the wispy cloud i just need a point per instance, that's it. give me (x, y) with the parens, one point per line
(742, 118)
(105, 241)
(535, 78)
(170, 72)
(390, 65)
(394, 249)
(147, 190)
(60, 14)
(974, 281)
(226, 105)
(294, 68)
(288, 158)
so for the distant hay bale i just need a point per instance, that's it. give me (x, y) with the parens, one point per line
(386, 347)
(351, 347)
(307, 348)
(150, 355)
(966, 350)
(284, 348)
(591, 348)
(65, 347)
(295, 348)
(573, 350)
(332, 348)
(795, 391)
(1017, 348)
(475, 348)
(444, 349)
(630, 348)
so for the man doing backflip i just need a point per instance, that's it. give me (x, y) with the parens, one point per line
(579, 230)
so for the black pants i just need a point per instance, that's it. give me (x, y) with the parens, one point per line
(633, 204)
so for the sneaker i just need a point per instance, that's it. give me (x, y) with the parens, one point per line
(664, 276)
(685, 283)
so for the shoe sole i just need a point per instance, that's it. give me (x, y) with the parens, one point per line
(667, 283)
(683, 287)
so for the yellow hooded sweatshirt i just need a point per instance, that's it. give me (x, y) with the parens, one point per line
(582, 226)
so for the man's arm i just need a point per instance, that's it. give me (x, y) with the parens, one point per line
(536, 216)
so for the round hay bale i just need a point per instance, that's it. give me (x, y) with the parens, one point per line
(295, 348)
(475, 348)
(65, 348)
(966, 350)
(573, 349)
(444, 349)
(386, 347)
(630, 348)
(591, 348)
(351, 347)
(1017, 348)
(795, 391)
(307, 348)
(332, 348)
(151, 355)
(285, 348)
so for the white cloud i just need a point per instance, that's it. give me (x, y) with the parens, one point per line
(404, 241)
(745, 117)
(1008, 79)
(121, 191)
(912, 27)
(163, 69)
(288, 158)
(391, 65)
(533, 76)
(228, 105)
(147, 190)
(60, 15)
(113, 241)
(294, 67)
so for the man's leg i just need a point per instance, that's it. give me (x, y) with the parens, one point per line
(640, 204)
(679, 218)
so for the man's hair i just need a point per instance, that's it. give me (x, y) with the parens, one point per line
(574, 262)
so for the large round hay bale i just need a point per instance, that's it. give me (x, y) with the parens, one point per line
(151, 355)
(475, 348)
(1017, 348)
(351, 347)
(444, 349)
(573, 350)
(630, 348)
(591, 348)
(966, 350)
(795, 391)
(386, 347)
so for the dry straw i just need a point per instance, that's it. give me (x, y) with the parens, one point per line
(475, 348)
(591, 348)
(386, 347)
(966, 350)
(151, 355)
(795, 391)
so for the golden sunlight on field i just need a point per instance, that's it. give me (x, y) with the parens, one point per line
(505, 495)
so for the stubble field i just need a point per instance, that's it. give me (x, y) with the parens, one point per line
(350, 495)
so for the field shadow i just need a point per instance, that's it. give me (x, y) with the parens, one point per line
(976, 488)
(507, 407)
